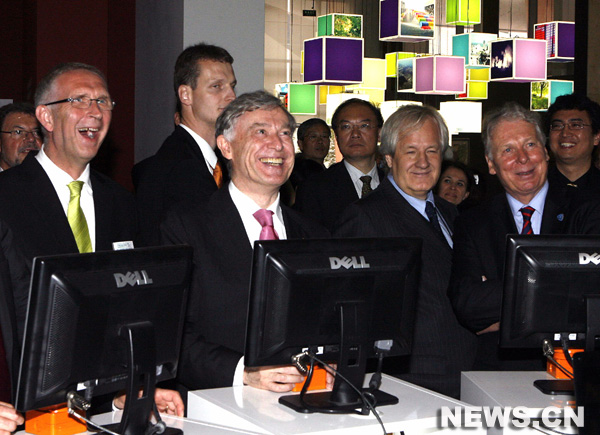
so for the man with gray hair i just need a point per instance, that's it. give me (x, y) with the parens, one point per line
(255, 133)
(413, 141)
(515, 152)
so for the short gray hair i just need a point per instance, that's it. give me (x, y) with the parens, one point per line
(45, 85)
(405, 121)
(510, 111)
(248, 102)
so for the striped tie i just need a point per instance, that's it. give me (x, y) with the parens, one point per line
(527, 212)
(77, 220)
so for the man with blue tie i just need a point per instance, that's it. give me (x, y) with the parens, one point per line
(255, 134)
(515, 152)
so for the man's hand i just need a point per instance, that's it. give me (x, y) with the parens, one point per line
(167, 402)
(9, 418)
(272, 378)
(492, 328)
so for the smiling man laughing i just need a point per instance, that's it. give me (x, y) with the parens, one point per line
(255, 133)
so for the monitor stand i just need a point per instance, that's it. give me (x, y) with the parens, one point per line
(142, 377)
(352, 365)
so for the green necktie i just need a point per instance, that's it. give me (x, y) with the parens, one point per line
(76, 218)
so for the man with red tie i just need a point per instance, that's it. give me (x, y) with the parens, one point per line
(255, 134)
(187, 167)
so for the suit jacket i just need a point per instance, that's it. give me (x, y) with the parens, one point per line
(441, 347)
(479, 250)
(215, 327)
(323, 197)
(39, 225)
(176, 173)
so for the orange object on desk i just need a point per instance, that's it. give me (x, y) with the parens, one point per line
(54, 420)
(559, 356)
(318, 382)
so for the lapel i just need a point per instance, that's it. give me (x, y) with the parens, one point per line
(183, 137)
(554, 213)
(345, 186)
(52, 227)
(103, 211)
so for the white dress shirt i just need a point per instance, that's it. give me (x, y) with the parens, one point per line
(355, 174)
(60, 180)
(210, 158)
(537, 203)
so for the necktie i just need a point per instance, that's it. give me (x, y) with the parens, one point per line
(527, 212)
(4, 374)
(366, 187)
(265, 219)
(76, 218)
(431, 213)
(218, 174)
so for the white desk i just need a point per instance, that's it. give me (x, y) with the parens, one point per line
(248, 408)
(189, 427)
(512, 389)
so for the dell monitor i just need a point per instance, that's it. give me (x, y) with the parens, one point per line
(551, 289)
(103, 322)
(339, 299)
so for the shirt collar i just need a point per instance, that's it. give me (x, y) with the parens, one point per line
(58, 177)
(356, 173)
(537, 202)
(247, 204)
(207, 151)
(416, 203)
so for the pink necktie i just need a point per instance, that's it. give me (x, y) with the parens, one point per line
(265, 219)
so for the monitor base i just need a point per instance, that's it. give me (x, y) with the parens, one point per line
(320, 402)
(555, 386)
(115, 427)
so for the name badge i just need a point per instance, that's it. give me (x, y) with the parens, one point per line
(119, 246)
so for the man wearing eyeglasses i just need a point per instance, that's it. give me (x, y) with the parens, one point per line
(574, 133)
(356, 124)
(19, 134)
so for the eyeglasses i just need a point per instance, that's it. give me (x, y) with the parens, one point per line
(86, 102)
(573, 125)
(347, 127)
(18, 133)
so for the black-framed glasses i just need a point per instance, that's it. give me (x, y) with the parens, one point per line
(19, 133)
(86, 102)
(573, 125)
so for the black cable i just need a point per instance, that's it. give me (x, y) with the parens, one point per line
(366, 402)
(375, 381)
(564, 342)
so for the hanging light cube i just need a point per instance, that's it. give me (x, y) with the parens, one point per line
(518, 60)
(544, 93)
(441, 75)
(405, 75)
(326, 90)
(408, 21)
(391, 61)
(560, 36)
(463, 12)
(387, 108)
(474, 47)
(373, 75)
(346, 25)
(474, 91)
(334, 100)
(332, 60)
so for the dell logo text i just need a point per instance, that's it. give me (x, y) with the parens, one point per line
(348, 262)
(132, 278)
(587, 258)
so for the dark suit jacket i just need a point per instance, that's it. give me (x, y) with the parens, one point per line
(441, 347)
(32, 210)
(479, 250)
(324, 196)
(214, 332)
(176, 173)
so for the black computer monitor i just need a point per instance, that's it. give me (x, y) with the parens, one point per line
(551, 290)
(105, 321)
(335, 297)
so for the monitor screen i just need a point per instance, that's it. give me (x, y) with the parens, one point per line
(79, 305)
(303, 291)
(545, 283)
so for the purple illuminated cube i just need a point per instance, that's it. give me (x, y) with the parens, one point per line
(333, 61)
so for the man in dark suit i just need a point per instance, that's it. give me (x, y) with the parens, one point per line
(413, 141)
(356, 124)
(19, 134)
(515, 152)
(574, 133)
(187, 167)
(255, 134)
(54, 195)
